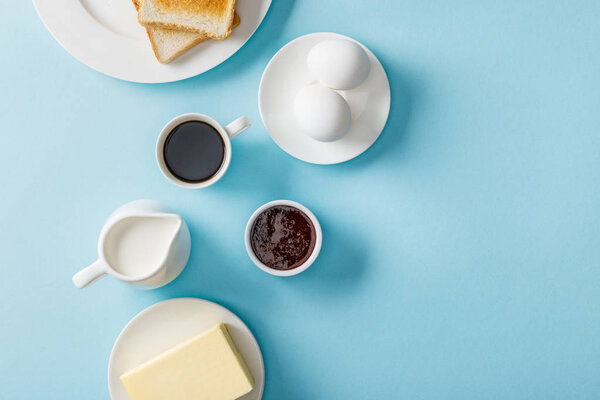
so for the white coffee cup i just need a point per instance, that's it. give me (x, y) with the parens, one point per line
(227, 133)
(157, 269)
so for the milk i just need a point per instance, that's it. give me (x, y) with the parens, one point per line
(136, 246)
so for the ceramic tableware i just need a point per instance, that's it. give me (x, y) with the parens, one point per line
(105, 35)
(313, 255)
(226, 132)
(169, 323)
(142, 243)
(287, 73)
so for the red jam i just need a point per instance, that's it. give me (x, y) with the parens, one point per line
(283, 237)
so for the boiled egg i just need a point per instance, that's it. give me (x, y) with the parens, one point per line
(322, 113)
(339, 63)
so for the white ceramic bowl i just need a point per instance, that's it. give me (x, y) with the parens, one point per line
(308, 262)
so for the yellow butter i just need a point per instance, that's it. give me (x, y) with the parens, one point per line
(204, 367)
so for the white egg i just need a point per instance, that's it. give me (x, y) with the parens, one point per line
(339, 63)
(322, 113)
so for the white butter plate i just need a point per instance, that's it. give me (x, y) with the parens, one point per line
(105, 35)
(167, 324)
(288, 72)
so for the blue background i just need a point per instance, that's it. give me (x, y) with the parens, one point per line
(461, 252)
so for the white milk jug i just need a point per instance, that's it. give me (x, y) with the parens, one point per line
(142, 243)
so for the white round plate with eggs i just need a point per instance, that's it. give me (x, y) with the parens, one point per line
(288, 74)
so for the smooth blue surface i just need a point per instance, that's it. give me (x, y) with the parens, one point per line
(461, 255)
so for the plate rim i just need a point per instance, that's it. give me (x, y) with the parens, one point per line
(328, 35)
(174, 300)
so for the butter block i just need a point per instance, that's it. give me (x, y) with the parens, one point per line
(207, 366)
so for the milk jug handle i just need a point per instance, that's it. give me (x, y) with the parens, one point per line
(89, 274)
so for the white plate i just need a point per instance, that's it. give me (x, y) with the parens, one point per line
(170, 322)
(105, 35)
(287, 73)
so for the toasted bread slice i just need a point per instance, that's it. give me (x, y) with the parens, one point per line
(169, 44)
(213, 18)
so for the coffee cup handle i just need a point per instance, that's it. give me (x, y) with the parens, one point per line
(89, 274)
(238, 126)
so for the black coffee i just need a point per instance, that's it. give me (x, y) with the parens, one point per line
(194, 151)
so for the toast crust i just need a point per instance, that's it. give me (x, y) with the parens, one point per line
(178, 27)
(206, 7)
